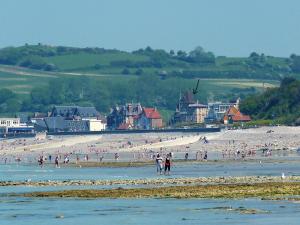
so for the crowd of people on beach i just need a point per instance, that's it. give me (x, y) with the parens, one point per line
(145, 148)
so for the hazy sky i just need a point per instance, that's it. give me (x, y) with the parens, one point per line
(225, 27)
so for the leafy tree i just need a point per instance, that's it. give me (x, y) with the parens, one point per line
(6, 95)
(125, 71)
(139, 72)
(282, 102)
(295, 64)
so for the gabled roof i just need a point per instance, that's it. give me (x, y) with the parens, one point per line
(240, 118)
(188, 97)
(151, 113)
(232, 111)
(87, 112)
(71, 111)
(132, 109)
(236, 115)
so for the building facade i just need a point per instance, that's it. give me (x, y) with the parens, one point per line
(217, 110)
(149, 119)
(233, 115)
(189, 111)
(14, 126)
(124, 116)
(134, 116)
(71, 119)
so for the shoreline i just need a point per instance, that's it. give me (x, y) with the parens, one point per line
(144, 163)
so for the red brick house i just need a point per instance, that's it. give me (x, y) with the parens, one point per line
(150, 118)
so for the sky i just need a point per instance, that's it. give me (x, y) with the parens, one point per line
(225, 27)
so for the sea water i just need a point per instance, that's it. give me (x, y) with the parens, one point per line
(145, 211)
(15, 172)
(48, 211)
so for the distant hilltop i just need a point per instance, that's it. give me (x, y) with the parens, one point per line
(197, 63)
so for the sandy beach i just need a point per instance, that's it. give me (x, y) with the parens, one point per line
(143, 146)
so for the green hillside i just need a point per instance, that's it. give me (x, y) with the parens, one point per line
(38, 90)
(281, 104)
(195, 64)
(35, 77)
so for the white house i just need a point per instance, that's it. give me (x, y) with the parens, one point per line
(95, 124)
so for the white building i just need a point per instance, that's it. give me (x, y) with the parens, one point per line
(9, 122)
(13, 125)
(95, 124)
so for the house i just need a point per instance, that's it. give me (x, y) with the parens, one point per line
(233, 115)
(217, 110)
(150, 118)
(121, 115)
(199, 112)
(133, 116)
(71, 119)
(189, 111)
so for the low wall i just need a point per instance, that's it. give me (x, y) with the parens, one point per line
(190, 130)
(16, 135)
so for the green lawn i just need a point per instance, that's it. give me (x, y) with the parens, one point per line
(22, 84)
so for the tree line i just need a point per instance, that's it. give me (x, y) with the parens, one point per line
(280, 104)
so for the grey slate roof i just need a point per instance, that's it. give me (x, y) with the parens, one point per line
(73, 111)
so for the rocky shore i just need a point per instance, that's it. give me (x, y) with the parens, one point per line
(250, 180)
(256, 190)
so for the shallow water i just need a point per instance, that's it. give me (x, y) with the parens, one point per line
(16, 172)
(145, 211)
(19, 210)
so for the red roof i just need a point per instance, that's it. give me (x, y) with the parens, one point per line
(152, 113)
(236, 115)
(232, 111)
(239, 117)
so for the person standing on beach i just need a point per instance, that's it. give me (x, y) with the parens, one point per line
(167, 164)
(41, 161)
(56, 161)
(205, 155)
(186, 156)
(159, 164)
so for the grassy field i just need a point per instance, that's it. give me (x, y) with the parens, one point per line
(85, 61)
(21, 81)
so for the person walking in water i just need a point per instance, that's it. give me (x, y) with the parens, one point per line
(159, 164)
(56, 161)
(41, 161)
(167, 164)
